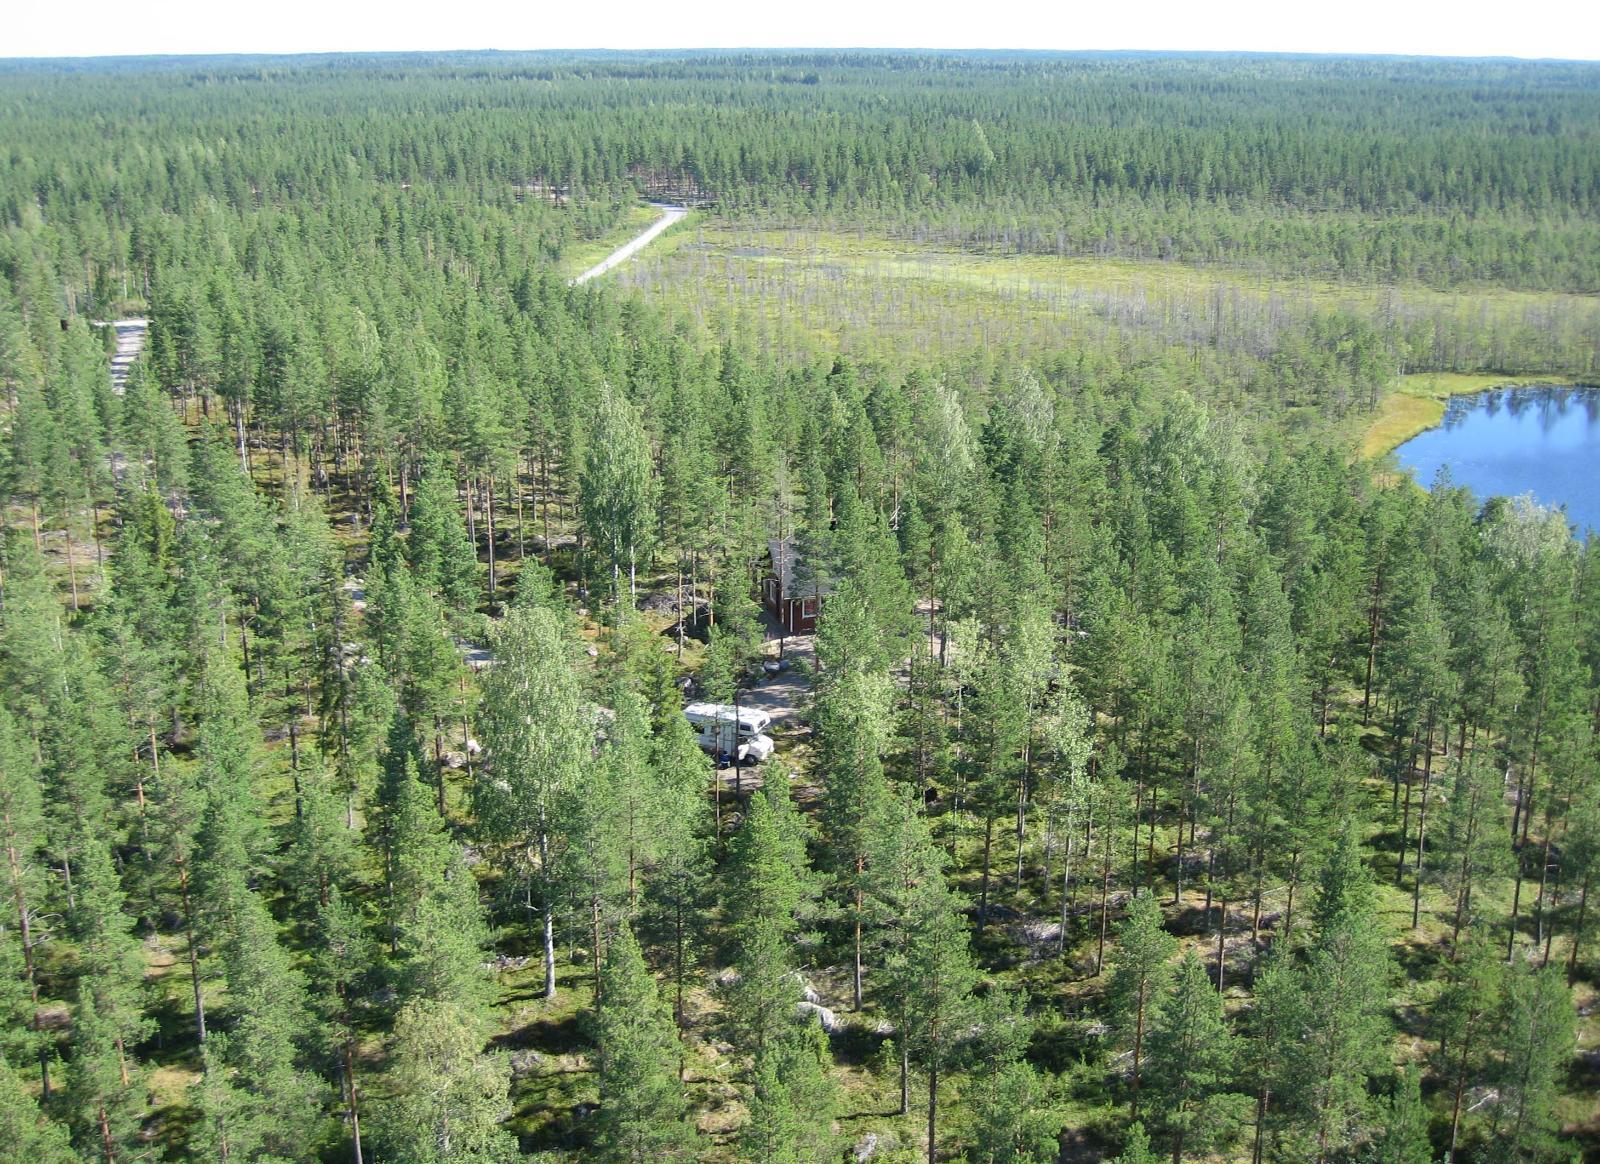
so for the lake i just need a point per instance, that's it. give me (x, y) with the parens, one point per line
(1510, 441)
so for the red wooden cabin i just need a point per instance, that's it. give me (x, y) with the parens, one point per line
(793, 605)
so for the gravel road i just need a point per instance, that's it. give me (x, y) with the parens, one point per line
(669, 215)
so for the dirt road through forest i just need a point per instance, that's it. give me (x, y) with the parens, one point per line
(669, 215)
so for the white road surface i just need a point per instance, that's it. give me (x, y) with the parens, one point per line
(669, 215)
(131, 335)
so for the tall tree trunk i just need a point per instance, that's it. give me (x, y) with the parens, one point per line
(855, 975)
(983, 891)
(1372, 646)
(1222, 948)
(489, 520)
(1105, 914)
(1516, 909)
(548, 906)
(1138, 1047)
(1263, 1101)
(72, 569)
(351, 1104)
(1066, 888)
(1422, 824)
(194, 954)
(594, 935)
(1405, 817)
(1577, 930)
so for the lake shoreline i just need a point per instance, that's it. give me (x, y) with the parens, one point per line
(1535, 440)
(1417, 401)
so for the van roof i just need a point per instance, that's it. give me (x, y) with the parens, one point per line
(724, 711)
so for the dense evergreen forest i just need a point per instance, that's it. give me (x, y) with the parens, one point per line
(1166, 782)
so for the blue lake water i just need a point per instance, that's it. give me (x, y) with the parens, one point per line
(1510, 441)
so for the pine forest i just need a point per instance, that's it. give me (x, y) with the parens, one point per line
(1140, 766)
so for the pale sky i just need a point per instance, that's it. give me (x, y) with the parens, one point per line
(1529, 28)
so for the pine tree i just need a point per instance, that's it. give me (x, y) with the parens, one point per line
(1191, 1054)
(610, 824)
(792, 1101)
(344, 959)
(676, 879)
(767, 895)
(1473, 849)
(24, 1129)
(102, 1087)
(1140, 969)
(929, 981)
(642, 1113)
(1006, 1095)
(1346, 1027)
(439, 935)
(1536, 1043)
(1010, 1128)
(22, 885)
(425, 665)
(1136, 1148)
(1275, 1021)
(1463, 1019)
(767, 890)
(902, 860)
(449, 1097)
(255, 1096)
(441, 556)
(322, 849)
(995, 740)
(852, 720)
(1402, 1136)
(111, 961)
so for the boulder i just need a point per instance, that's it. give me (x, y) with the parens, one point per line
(826, 1019)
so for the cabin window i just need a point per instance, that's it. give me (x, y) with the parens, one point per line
(808, 608)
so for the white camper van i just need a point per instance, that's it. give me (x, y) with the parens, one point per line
(715, 724)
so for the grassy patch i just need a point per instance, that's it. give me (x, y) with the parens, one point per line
(808, 289)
